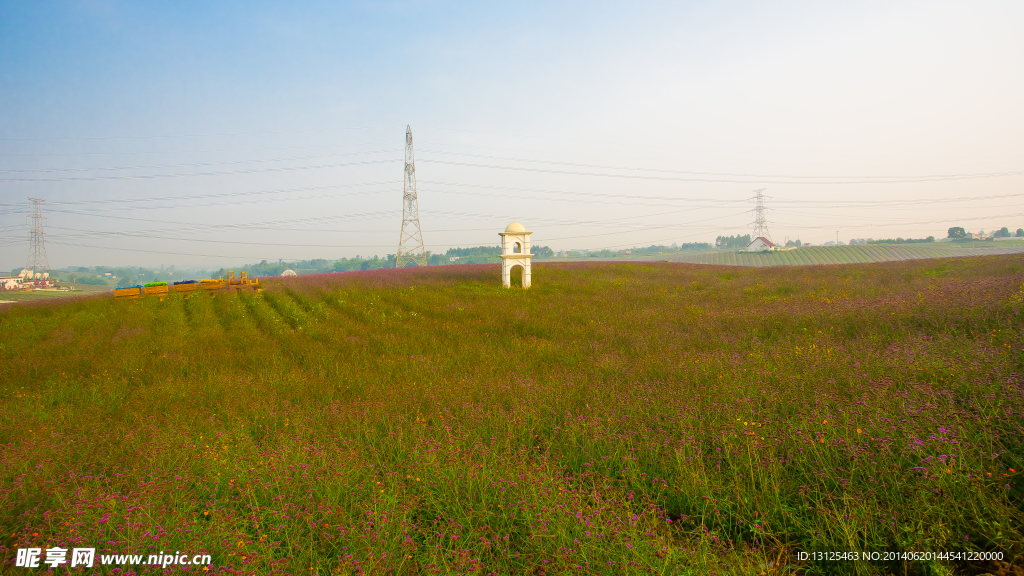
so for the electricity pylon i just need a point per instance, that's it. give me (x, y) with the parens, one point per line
(760, 223)
(37, 261)
(410, 244)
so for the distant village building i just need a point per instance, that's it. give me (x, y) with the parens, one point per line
(453, 258)
(515, 251)
(760, 243)
(26, 280)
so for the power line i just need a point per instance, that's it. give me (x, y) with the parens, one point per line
(646, 228)
(280, 225)
(696, 173)
(227, 173)
(226, 226)
(218, 150)
(206, 196)
(65, 138)
(258, 226)
(888, 203)
(193, 165)
(728, 181)
(942, 222)
(689, 225)
(728, 177)
(775, 199)
(845, 216)
(126, 249)
(585, 194)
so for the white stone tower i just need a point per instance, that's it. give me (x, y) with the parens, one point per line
(515, 251)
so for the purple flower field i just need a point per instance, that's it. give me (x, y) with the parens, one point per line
(615, 418)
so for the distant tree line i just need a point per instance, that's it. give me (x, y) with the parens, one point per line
(725, 242)
(473, 255)
(118, 276)
(265, 268)
(474, 251)
(1004, 232)
(661, 249)
(958, 233)
(360, 263)
(652, 249)
(489, 254)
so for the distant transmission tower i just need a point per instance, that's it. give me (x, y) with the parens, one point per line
(410, 245)
(760, 223)
(37, 261)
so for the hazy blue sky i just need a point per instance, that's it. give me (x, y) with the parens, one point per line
(198, 133)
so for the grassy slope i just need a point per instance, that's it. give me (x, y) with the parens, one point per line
(619, 417)
(854, 254)
(831, 254)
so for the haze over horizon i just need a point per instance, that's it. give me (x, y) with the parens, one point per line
(203, 135)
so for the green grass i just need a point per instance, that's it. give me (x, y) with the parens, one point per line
(35, 295)
(851, 254)
(825, 254)
(615, 418)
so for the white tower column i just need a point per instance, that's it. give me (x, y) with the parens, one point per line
(515, 251)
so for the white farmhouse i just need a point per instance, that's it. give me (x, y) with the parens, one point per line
(760, 243)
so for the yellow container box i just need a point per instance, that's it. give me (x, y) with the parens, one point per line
(132, 292)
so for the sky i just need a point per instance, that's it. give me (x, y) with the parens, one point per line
(217, 134)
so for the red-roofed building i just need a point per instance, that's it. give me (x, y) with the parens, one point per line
(760, 243)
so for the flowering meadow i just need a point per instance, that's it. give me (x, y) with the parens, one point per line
(615, 418)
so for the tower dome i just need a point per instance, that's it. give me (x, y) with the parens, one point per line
(515, 228)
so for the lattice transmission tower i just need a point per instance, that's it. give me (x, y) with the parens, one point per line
(760, 222)
(410, 244)
(37, 261)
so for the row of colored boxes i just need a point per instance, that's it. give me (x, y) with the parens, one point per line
(161, 290)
